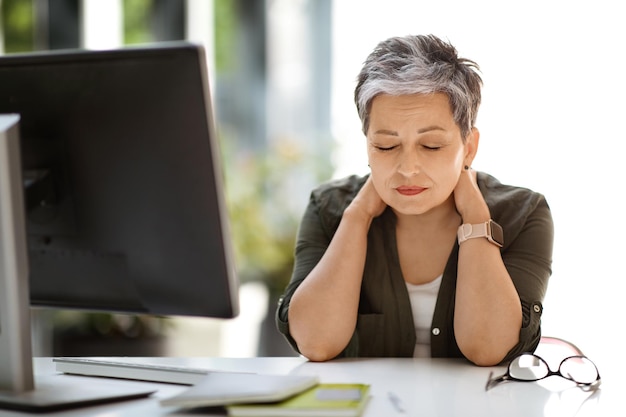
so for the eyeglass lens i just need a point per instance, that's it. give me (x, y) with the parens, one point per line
(579, 369)
(529, 367)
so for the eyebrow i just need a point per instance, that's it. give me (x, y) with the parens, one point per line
(386, 132)
(422, 130)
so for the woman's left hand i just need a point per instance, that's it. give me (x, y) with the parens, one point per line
(469, 200)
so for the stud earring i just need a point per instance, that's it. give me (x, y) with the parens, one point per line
(466, 167)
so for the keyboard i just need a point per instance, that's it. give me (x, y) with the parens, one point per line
(129, 370)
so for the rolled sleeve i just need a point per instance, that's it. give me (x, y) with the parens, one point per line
(529, 262)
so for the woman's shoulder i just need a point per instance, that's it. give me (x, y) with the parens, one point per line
(496, 193)
(511, 205)
(330, 199)
(339, 189)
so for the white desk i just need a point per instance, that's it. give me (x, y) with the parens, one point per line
(426, 387)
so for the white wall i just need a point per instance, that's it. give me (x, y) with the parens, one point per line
(102, 24)
(551, 120)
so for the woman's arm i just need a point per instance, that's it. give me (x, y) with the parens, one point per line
(488, 312)
(323, 309)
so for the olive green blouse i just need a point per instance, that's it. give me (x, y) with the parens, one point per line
(385, 322)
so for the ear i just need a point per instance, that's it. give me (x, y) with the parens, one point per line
(471, 146)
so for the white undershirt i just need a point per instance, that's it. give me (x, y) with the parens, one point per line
(423, 299)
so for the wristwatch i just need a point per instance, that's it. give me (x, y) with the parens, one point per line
(490, 230)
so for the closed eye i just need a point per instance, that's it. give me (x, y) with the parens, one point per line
(385, 148)
(431, 148)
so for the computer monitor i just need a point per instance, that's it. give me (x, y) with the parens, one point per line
(122, 185)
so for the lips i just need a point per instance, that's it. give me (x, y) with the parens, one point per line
(409, 190)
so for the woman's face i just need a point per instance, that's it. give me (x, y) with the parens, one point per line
(415, 151)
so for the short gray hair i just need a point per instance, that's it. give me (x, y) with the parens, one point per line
(422, 64)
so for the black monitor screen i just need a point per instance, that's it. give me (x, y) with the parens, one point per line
(123, 185)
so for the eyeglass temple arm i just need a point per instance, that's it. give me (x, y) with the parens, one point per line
(492, 382)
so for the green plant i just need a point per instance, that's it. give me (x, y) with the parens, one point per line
(266, 193)
(17, 24)
(109, 325)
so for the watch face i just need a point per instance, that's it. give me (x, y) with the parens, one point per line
(496, 232)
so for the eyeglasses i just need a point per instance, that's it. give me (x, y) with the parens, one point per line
(530, 367)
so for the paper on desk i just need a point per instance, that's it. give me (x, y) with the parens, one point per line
(224, 388)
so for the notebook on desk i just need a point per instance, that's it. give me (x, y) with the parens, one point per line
(331, 400)
(221, 389)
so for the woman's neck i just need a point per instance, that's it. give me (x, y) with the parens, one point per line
(439, 218)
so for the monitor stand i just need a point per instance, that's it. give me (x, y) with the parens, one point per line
(19, 389)
(60, 392)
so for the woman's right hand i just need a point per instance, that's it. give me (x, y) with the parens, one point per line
(368, 202)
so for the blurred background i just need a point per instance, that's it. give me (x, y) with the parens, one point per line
(282, 77)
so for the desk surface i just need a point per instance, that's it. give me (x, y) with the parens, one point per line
(425, 387)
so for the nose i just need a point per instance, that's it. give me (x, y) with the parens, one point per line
(409, 163)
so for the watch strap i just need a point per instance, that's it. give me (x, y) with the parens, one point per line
(487, 230)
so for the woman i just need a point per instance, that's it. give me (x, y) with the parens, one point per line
(423, 256)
